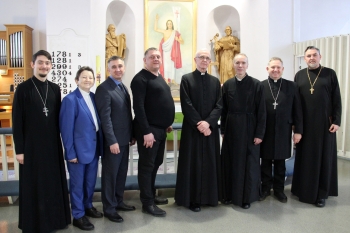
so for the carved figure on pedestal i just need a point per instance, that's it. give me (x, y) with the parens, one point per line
(115, 44)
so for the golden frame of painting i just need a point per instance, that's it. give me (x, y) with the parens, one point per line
(171, 27)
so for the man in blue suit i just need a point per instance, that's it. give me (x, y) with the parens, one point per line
(82, 139)
(114, 108)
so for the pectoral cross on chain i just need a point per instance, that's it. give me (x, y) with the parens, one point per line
(312, 90)
(45, 110)
(275, 105)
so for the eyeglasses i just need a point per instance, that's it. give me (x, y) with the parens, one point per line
(204, 58)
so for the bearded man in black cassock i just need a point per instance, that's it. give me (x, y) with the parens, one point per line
(243, 122)
(43, 194)
(197, 174)
(283, 109)
(315, 171)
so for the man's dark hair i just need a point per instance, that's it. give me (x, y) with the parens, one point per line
(312, 47)
(114, 58)
(41, 53)
(82, 69)
(150, 49)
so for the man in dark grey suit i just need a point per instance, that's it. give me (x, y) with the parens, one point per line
(114, 108)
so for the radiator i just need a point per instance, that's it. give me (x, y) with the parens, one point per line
(335, 53)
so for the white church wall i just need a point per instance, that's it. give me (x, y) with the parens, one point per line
(322, 18)
(257, 20)
(253, 34)
(21, 12)
(281, 36)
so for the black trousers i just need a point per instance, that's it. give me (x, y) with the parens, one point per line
(149, 161)
(279, 172)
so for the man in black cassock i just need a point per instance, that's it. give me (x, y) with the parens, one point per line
(197, 174)
(243, 120)
(43, 194)
(283, 108)
(315, 171)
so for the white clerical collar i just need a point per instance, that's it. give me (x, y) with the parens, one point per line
(275, 80)
(240, 79)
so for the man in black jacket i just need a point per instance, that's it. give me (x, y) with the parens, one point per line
(284, 111)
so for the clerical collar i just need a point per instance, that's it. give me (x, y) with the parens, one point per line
(273, 80)
(240, 79)
(201, 73)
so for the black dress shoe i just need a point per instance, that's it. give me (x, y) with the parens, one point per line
(115, 217)
(280, 196)
(195, 207)
(264, 195)
(320, 202)
(245, 205)
(160, 200)
(124, 207)
(93, 213)
(153, 210)
(83, 223)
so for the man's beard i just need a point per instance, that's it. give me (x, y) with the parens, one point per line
(42, 75)
(113, 35)
(313, 65)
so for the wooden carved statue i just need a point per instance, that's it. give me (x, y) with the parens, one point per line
(225, 49)
(115, 44)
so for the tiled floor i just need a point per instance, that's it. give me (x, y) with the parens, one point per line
(269, 216)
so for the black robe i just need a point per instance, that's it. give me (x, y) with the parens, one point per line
(277, 140)
(43, 195)
(197, 174)
(315, 170)
(243, 118)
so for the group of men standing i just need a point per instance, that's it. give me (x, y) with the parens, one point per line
(256, 122)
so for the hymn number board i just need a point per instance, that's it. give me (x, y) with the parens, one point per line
(69, 52)
(64, 67)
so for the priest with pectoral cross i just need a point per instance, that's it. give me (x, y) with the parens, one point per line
(43, 191)
(315, 169)
(284, 112)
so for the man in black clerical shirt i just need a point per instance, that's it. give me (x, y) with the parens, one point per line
(283, 108)
(199, 154)
(154, 114)
(315, 170)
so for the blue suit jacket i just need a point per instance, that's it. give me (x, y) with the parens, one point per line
(78, 129)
